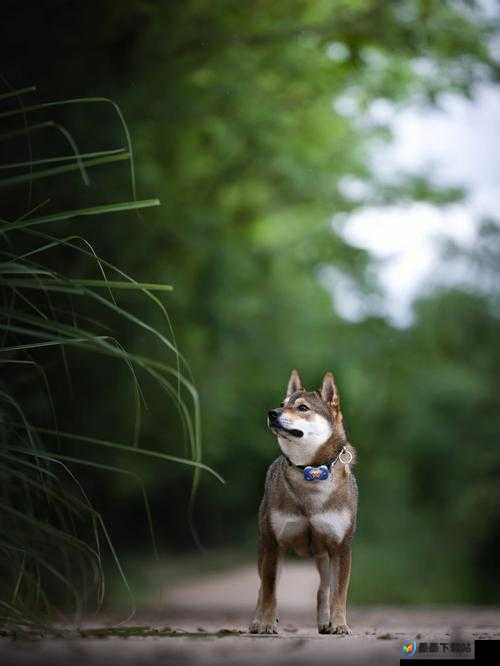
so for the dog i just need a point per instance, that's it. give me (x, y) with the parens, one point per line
(309, 504)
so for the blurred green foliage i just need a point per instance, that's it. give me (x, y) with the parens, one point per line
(247, 120)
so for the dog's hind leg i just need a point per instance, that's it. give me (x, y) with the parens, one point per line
(323, 598)
(341, 573)
(265, 620)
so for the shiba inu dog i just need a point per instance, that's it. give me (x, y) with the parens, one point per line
(309, 503)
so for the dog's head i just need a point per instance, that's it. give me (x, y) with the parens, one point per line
(307, 420)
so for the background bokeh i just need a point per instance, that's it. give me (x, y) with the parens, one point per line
(234, 113)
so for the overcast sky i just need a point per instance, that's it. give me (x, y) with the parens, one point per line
(461, 143)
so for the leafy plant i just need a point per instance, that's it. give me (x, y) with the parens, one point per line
(53, 540)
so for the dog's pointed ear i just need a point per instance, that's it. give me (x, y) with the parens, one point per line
(294, 383)
(329, 392)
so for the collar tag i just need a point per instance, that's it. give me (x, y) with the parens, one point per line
(320, 473)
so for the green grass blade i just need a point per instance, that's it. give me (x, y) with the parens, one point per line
(81, 212)
(123, 447)
(17, 93)
(55, 171)
(61, 158)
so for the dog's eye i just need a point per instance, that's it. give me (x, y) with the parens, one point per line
(303, 408)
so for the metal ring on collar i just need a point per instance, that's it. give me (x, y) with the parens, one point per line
(345, 451)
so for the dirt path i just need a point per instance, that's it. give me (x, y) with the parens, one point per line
(205, 620)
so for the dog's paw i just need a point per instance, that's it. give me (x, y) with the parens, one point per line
(325, 628)
(257, 627)
(254, 627)
(340, 629)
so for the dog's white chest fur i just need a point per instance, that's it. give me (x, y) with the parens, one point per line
(332, 524)
(287, 525)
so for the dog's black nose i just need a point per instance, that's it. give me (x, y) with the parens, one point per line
(273, 414)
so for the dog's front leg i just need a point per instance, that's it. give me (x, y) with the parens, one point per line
(323, 599)
(265, 620)
(341, 573)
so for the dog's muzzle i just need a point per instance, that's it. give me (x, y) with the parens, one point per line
(273, 420)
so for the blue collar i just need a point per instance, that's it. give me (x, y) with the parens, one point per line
(317, 473)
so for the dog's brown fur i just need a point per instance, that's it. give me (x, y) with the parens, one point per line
(315, 518)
